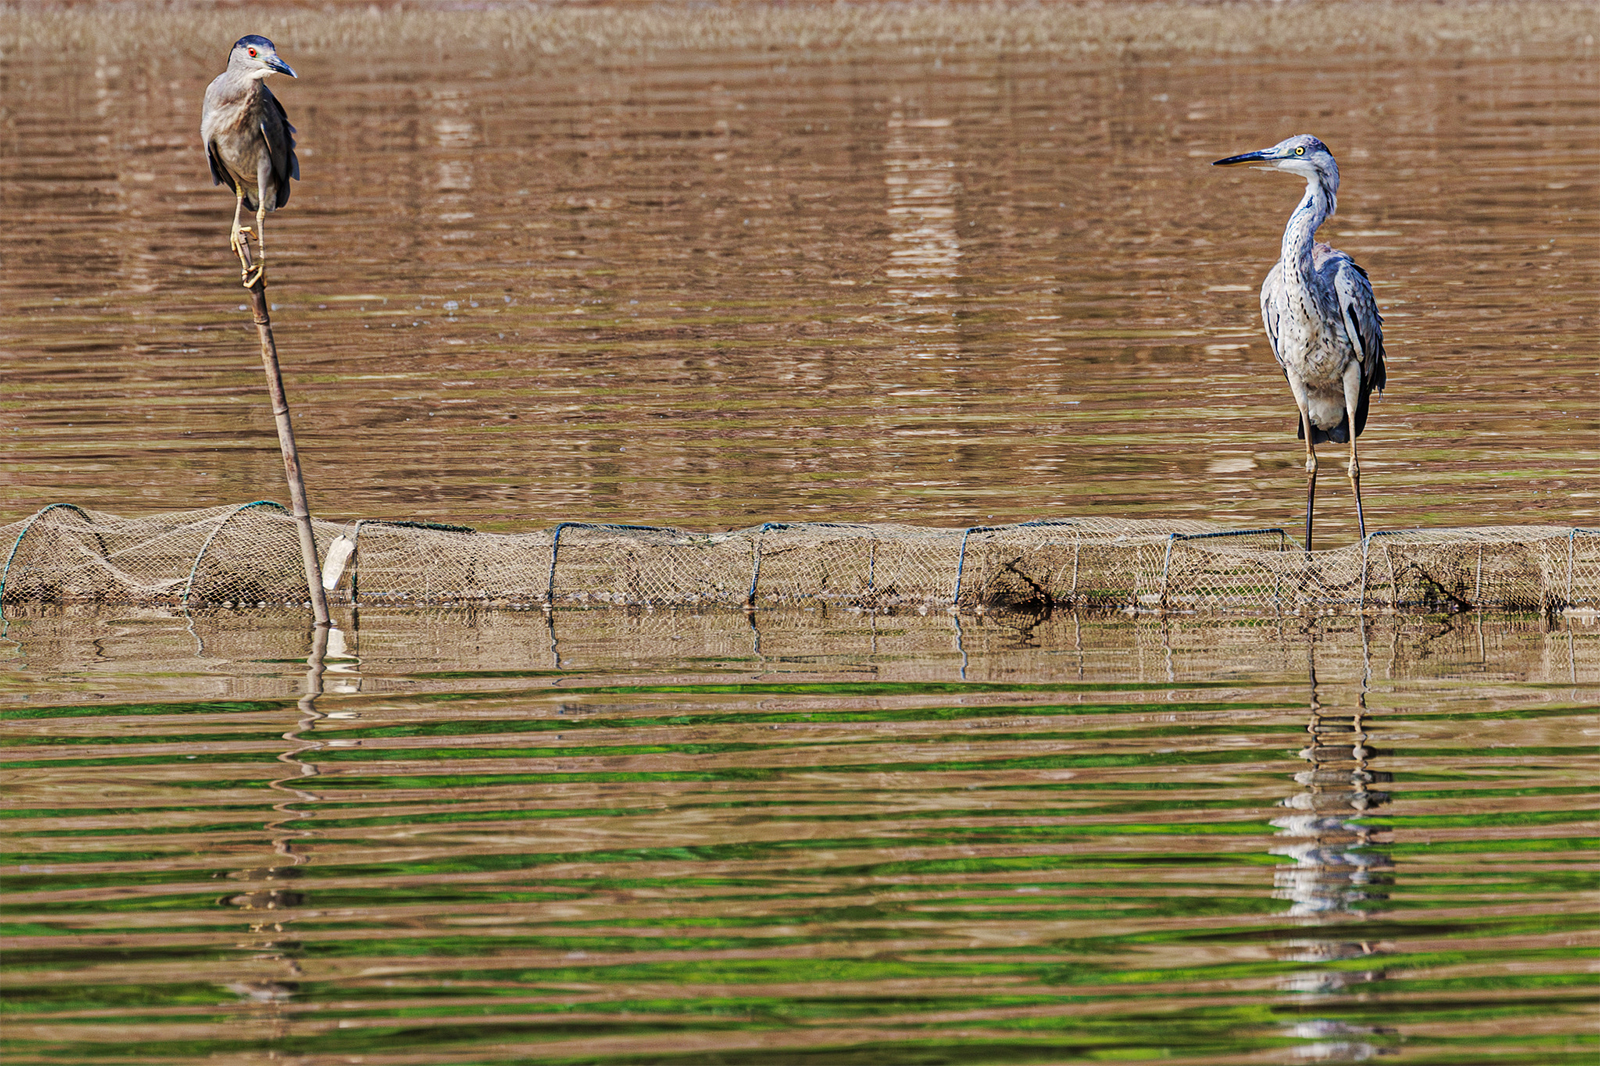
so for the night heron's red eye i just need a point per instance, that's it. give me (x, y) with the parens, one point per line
(252, 53)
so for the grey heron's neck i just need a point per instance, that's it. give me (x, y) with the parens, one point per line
(1301, 233)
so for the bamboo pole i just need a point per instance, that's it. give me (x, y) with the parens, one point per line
(291, 457)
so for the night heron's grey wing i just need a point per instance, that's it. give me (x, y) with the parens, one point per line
(219, 173)
(279, 138)
(208, 132)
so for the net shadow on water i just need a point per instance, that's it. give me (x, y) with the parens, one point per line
(809, 836)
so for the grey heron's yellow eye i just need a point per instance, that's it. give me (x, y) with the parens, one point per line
(1301, 150)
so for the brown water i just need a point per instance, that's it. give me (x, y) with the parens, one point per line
(775, 280)
(716, 266)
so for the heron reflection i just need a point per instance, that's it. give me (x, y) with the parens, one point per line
(1338, 874)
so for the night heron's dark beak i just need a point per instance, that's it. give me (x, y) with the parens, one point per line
(280, 66)
(1248, 157)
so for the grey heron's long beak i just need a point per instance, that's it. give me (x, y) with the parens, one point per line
(1248, 157)
(280, 66)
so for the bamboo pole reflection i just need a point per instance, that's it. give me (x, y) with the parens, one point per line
(269, 901)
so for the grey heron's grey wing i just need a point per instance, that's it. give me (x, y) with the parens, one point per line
(1362, 323)
(1270, 290)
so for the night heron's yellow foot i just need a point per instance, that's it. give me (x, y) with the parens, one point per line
(248, 278)
(239, 242)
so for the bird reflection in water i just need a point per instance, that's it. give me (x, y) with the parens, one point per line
(1339, 875)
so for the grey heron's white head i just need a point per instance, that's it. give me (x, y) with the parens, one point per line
(1301, 155)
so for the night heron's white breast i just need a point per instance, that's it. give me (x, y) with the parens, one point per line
(233, 124)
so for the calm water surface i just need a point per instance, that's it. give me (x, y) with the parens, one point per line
(800, 838)
(525, 282)
(533, 277)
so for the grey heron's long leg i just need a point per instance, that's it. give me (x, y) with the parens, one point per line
(1352, 401)
(1311, 480)
(1355, 485)
(1302, 402)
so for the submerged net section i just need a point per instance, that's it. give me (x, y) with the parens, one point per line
(249, 555)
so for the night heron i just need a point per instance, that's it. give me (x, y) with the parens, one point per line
(249, 141)
(1320, 316)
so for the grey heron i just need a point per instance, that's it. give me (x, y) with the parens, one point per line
(1320, 315)
(249, 142)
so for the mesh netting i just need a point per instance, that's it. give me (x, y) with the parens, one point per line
(249, 555)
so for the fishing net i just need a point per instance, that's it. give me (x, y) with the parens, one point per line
(249, 555)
